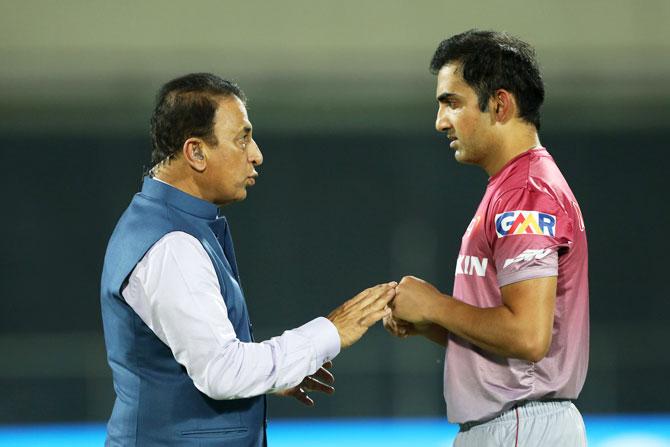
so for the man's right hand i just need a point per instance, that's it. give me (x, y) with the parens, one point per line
(403, 329)
(399, 328)
(353, 318)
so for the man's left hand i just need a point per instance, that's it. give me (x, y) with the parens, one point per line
(319, 381)
(413, 298)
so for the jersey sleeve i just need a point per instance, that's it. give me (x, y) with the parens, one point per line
(528, 230)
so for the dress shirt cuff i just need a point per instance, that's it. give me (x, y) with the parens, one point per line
(324, 336)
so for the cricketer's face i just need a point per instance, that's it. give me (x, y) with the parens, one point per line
(231, 163)
(459, 116)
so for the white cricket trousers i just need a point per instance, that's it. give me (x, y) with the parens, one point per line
(535, 424)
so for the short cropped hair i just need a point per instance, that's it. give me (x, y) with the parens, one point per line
(491, 60)
(185, 108)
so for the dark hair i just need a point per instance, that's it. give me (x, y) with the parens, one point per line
(185, 108)
(491, 60)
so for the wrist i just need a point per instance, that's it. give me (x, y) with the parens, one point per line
(434, 309)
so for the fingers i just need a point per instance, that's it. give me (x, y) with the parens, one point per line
(388, 323)
(372, 294)
(302, 397)
(384, 292)
(376, 305)
(399, 328)
(324, 375)
(374, 316)
(311, 384)
(354, 317)
(369, 301)
(380, 301)
(381, 294)
(406, 328)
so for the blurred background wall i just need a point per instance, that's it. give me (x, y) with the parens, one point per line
(356, 187)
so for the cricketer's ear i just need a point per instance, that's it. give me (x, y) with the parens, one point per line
(502, 106)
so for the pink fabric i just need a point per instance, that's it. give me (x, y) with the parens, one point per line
(528, 225)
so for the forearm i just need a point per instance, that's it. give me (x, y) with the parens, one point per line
(238, 370)
(435, 333)
(175, 291)
(496, 329)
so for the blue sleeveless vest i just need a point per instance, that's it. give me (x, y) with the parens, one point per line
(157, 403)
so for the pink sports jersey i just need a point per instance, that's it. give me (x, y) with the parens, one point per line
(528, 225)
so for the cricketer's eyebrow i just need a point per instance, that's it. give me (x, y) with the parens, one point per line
(446, 96)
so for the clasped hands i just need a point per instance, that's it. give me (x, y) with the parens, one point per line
(411, 308)
(403, 306)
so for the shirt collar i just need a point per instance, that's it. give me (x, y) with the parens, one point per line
(179, 199)
(507, 166)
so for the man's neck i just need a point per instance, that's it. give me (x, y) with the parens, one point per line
(510, 148)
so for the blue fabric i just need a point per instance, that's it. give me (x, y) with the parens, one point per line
(157, 403)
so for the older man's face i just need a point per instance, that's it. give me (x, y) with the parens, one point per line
(232, 161)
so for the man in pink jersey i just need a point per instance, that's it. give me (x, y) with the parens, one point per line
(516, 329)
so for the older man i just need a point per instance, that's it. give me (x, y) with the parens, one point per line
(179, 341)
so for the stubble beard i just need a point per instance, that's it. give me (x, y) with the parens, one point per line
(464, 155)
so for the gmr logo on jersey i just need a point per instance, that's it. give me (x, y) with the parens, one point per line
(529, 255)
(467, 265)
(525, 222)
